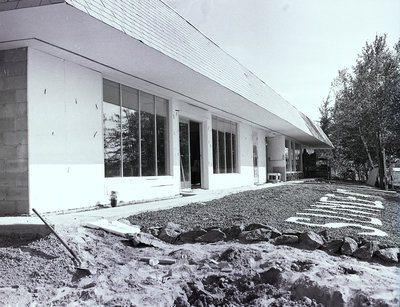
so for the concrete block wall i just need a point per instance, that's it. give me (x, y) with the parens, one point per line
(13, 132)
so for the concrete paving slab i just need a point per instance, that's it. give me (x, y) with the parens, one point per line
(70, 218)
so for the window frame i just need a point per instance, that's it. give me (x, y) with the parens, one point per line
(166, 139)
(217, 125)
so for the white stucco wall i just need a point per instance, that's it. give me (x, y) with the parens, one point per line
(66, 162)
(64, 134)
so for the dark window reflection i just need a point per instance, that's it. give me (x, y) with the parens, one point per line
(147, 134)
(135, 140)
(234, 170)
(130, 131)
(162, 135)
(112, 140)
(228, 142)
(215, 150)
(221, 146)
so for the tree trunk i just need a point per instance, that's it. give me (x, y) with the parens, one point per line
(381, 165)
(366, 148)
(384, 168)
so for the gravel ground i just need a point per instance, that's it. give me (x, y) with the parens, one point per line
(272, 206)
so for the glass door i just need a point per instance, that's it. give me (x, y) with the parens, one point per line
(184, 146)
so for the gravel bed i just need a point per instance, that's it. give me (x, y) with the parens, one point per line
(272, 206)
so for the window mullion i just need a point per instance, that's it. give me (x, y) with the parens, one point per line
(120, 130)
(155, 137)
(140, 136)
(225, 168)
(217, 153)
(231, 153)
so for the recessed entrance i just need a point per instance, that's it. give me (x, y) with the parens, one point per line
(190, 158)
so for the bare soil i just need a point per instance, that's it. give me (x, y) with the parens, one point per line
(41, 272)
(221, 274)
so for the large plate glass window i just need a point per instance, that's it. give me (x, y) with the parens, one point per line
(135, 132)
(112, 129)
(224, 145)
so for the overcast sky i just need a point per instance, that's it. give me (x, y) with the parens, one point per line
(295, 46)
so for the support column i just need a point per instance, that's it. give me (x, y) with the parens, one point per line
(276, 156)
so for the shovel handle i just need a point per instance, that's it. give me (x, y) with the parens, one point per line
(57, 236)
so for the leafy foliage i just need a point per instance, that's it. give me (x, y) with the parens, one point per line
(364, 122)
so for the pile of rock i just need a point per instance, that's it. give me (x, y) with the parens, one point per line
(359, 247)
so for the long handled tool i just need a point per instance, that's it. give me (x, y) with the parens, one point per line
(79, 267)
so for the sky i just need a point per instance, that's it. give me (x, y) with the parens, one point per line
(296, 46)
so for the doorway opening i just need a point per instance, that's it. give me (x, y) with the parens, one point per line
(190, 154)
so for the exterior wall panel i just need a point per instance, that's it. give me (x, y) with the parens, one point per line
(65, 133)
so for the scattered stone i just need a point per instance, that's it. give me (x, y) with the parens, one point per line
(231, 254)
(212, 236)
(333, 246)
(274, 232)
(224, 266)
(273, 276)
(190, 236)
(307, 301)
(325, 235)
(145, 240)
(302, 266)
(256, 235)
(189, 255)
(237, 257)
(286, 240)
(181, 302)
(361, 299)
(155, 231)
(155, 261)
(170, 232)
(349, 246)
(232, 232)
(292, 232)
(366, 251)
(304, 286)
(254, 226)
(361, 241)
(346, 270)
(388, 254)
(311, 240)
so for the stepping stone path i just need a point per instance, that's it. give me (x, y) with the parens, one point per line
(344, 209)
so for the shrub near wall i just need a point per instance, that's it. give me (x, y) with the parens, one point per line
(294, 176)
(13, 132)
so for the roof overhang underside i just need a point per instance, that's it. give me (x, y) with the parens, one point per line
(74, 34)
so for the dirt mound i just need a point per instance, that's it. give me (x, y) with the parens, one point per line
(224, 273)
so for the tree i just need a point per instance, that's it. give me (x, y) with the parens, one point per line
(365, 121)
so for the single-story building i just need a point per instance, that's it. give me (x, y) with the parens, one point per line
(114, 96)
